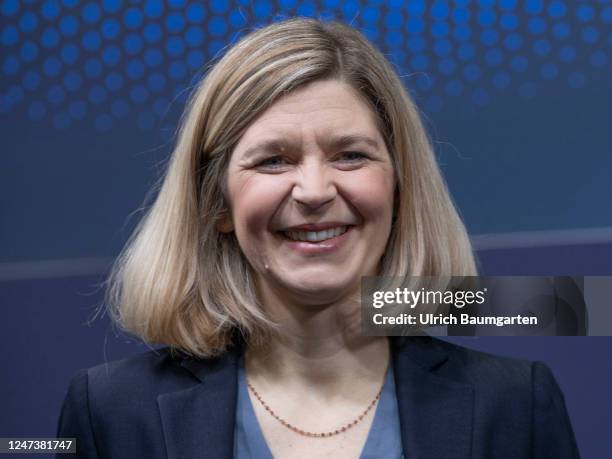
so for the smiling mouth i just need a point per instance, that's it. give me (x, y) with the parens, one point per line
(315, 236)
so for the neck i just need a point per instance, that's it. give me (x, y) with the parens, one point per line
(320, 347)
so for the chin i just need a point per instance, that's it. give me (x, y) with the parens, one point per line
(319, 291)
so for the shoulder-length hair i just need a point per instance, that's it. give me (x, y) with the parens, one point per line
(179, 280)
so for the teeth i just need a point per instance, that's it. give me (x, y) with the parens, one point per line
(316, 236)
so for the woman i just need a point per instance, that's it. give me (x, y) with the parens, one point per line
(301, 166)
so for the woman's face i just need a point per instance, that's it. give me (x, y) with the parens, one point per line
(310, 187)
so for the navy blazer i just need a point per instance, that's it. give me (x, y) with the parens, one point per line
(453, 403)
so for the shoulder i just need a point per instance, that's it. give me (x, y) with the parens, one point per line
(110, 405)
(136, 382)
(144, 368)
(148, 374)
(484, 368)
(129, 385)
(516, 382)
(517, 404)
(476, 366)
(461, 363)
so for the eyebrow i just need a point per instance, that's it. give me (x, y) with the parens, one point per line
(334, 143)
(351, 139)
(271, 145)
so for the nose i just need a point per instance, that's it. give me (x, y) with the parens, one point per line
(314, 186)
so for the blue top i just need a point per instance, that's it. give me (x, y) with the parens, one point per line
(384, 439)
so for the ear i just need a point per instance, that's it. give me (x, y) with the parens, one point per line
(224, 223)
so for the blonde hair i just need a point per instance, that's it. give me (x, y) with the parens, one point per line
(180, 281)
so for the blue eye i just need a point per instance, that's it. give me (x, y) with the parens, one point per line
(353, 156)
(273, 162)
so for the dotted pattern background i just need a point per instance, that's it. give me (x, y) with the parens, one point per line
(72, 62)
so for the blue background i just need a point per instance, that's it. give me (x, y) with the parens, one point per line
(516, 95)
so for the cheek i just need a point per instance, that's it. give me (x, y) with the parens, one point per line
(372, 194)
(254, 201)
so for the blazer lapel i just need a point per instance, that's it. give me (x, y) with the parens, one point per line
(435, 412)
(199, 421)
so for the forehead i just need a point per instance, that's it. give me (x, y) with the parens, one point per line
(316, 111)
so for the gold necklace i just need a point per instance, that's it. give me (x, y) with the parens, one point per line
(316, 434)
